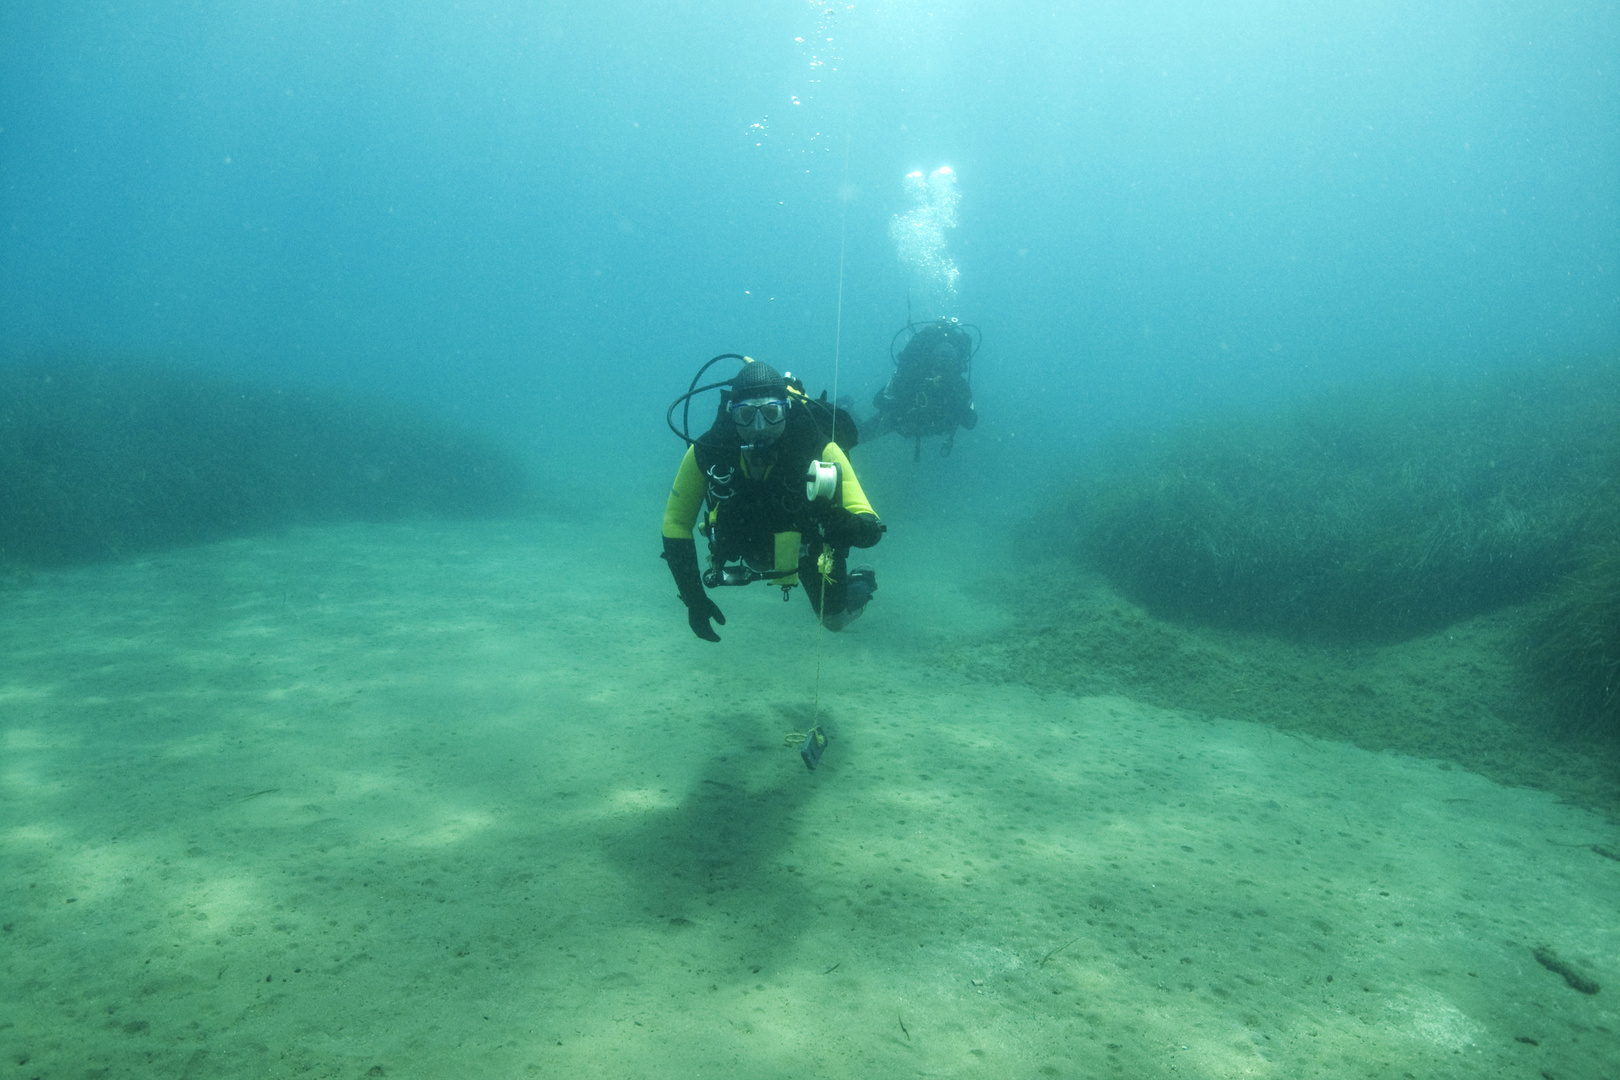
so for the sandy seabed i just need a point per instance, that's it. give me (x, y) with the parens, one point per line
(468, 800)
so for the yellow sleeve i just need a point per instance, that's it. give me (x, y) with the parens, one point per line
(685, 499)
(854, 498)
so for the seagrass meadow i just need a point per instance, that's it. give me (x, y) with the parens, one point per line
(1370, 512)
(1426, 565)
(104, 458)
(1574, 641)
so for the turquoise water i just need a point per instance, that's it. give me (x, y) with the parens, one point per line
(300, 793)
(503, 210)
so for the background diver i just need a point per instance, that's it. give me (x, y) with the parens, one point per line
(929, 392)
(767, 513)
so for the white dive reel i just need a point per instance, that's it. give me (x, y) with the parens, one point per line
(821, 482)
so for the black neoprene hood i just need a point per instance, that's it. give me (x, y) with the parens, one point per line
(757, 380)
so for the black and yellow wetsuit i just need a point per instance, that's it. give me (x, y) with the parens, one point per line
(759, 522)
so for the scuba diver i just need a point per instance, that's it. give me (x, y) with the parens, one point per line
(928, 394)
(782, 503)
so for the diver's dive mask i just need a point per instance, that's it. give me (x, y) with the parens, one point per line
(759, 421)
(747, 414)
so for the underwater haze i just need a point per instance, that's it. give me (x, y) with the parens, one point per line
(1240, 694)
(511, 210)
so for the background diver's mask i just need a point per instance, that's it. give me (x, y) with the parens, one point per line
(759, 421)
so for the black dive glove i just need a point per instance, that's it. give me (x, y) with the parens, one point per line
(854, 530)
(682, 558)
